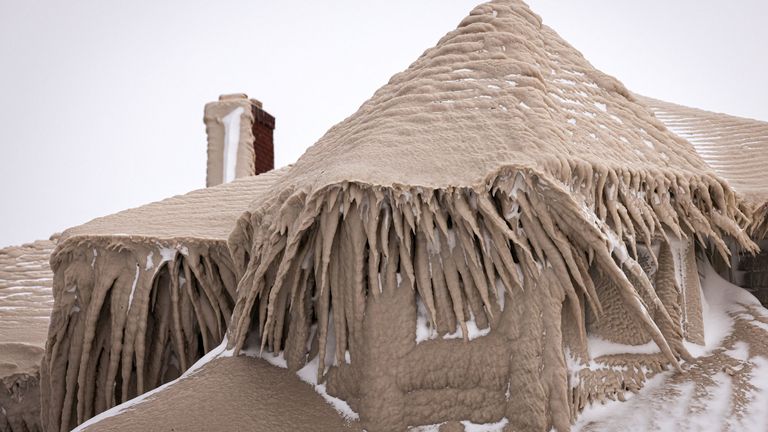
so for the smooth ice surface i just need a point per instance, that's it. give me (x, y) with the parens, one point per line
(219, 351)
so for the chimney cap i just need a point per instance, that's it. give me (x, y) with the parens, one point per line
(233, 96)
(240, 96)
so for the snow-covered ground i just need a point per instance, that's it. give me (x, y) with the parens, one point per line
(724, 389)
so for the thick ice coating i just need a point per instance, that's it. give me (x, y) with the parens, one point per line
(139, 296)
(501, 183)
(736, 148)
(25, 305)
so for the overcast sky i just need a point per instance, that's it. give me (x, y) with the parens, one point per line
(101, 101)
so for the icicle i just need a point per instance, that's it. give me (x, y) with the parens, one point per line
(405, 247)
(371, 228)
(270, 254)
(538, 236)
(323, 312)
(298, 329)
(423, 277)
(589, 286)
(483, 314)
(176, 313)
(451, 276)
(339, 292)
(466, 240)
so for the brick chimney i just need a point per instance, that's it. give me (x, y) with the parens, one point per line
(240, 138)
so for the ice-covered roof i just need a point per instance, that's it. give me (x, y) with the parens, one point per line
(735, 147)
(502, 89)
(25, 293)
(204, 214)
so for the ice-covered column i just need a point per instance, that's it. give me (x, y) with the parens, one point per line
(240, 138)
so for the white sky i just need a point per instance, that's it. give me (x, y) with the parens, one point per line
(101, 100)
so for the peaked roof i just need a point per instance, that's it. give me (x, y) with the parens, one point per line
(502, 89)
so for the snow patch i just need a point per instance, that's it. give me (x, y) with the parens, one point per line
(758, 417)
(740, 351)
(468, 426)
(231, 142)
(150, 264)
(167, 254)
(424, 330)
(308, 374)
(720, 299)
(600, 347)
(687, 410)
(473, 332)
(501, 290)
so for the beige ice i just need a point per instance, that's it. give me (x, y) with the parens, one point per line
(139, 297)
(25, 305)
(724, 388)
(500, 184)
(736, 148)
(239, 394)
(462, 248)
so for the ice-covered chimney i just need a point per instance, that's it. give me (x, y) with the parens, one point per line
(240, 138)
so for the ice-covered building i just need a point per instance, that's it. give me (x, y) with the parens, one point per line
(501, 238)
(502, 233)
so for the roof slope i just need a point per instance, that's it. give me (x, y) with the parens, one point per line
(25, 293)
(203, 214)
(735, 147)
(245, 393)
(501, 89)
